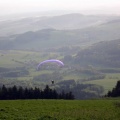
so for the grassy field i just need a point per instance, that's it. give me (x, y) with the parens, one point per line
(108, 82)
(104, 109)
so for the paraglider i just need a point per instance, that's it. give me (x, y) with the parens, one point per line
(52, 81)
(57, 62)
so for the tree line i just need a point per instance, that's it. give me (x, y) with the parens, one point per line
(15, 92)
(115, 92)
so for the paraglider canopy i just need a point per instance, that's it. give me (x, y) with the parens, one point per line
(58, 62)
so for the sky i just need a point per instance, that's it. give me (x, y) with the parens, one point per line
(23, 6)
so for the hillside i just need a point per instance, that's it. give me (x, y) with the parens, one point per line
(52, 38)
(19, 25)
(102, 54)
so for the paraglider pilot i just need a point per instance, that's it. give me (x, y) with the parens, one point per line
(52, 81)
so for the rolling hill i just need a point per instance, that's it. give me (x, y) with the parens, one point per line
(19, 25)
(102, 54)
(53, 38)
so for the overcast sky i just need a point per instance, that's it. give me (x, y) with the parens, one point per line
(20, 6)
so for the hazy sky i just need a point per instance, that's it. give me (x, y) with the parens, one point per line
(20, 6)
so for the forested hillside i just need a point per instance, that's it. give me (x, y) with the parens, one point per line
(102, 54)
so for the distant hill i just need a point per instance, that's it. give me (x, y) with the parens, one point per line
(52, 38)
(103, 54)
(71, 21)
(61, 22)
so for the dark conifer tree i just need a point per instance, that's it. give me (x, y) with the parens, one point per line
(55, 94)
(26, 93)
(115, 91)
(46, 92)
(4, 92)
(37, 93)
(14, 92)
(20, 93)
(30, 93)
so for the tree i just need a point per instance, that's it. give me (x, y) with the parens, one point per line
(4, 92)
(115, 91)
(30, 93)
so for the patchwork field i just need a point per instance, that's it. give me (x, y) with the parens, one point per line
(28, 60)
(108, 82)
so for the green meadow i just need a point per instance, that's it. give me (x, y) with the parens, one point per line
(102, 109)
(108, 82)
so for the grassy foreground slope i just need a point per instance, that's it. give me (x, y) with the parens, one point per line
(60, 109)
